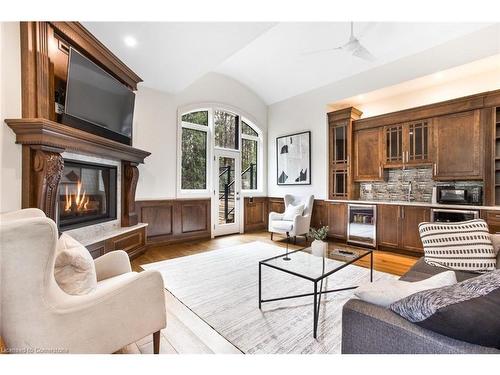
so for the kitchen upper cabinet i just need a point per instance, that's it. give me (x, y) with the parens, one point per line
(388, 225)
(407, 144)
(397, 226)
(457, 142)
(337, 220)
(419, 142)
(393, 145)
(368, 155)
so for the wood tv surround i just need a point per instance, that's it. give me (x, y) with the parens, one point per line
(44, 61)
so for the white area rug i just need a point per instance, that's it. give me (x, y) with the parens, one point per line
(221, 287)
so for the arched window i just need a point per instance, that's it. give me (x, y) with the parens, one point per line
(202, 131)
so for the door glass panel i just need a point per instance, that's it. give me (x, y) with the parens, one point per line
(394, 142)
(340, 144)
(418, 141)
(340, 183)
(226, 130)
(227, 196)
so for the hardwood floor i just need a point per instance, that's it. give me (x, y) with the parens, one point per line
(186, 333)
(384, 261)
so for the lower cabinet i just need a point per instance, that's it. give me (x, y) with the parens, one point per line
(411, 217)
(397, 226)
(388, 225)
(337, 220)
(493, 220)
(132, 242)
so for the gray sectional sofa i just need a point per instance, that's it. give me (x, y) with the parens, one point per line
(367, 328)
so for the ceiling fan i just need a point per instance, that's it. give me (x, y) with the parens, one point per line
(352, 46)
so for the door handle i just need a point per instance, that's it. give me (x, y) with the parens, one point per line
(435, 169)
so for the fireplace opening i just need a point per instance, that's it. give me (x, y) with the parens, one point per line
(87, 194)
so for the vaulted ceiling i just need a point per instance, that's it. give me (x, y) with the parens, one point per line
(275, 60)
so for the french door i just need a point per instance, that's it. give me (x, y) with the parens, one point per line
(227, 192)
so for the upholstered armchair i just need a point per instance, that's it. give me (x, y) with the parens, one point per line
(36, 315)
(298, 225)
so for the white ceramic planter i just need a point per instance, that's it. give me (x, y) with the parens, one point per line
(319, 248)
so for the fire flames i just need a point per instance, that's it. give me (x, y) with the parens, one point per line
(78, 201)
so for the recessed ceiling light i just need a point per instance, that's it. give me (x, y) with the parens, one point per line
(361, 97)
(130, 41)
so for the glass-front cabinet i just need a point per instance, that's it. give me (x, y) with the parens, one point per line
(340, 139)
(408, 143)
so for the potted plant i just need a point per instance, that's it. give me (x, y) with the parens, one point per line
(319, 246)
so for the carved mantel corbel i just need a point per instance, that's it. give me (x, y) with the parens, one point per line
(130, 176)
(45, 174)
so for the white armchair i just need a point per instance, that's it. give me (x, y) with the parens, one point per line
(300, 224)
(36, 315)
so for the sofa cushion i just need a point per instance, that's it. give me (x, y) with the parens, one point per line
(462, 246)
(74, 269)
(421, 270)
(385, 292)
(466, 311)
(284, 225)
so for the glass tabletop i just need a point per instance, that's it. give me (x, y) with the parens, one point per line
(304, 264)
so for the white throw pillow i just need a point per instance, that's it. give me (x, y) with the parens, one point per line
(74, 268)
(292, 211)
(385, 292)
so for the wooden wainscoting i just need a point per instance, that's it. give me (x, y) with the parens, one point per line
(175, 220)
(256, 214)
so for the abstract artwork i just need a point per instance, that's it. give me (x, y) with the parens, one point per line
(294, 159)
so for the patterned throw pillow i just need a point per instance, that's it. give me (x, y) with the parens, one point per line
(467, 311)
(463, 246)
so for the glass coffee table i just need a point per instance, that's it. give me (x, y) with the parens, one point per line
(300, 264)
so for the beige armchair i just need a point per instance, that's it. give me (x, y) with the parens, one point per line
(37, 316)
(300, 224)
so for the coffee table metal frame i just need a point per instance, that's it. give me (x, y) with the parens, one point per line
(316, 293)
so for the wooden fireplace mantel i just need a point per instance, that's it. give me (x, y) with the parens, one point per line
(43, 143)
(50, 134)
(44, 65)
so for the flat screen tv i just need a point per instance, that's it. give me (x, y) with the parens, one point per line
(97, 102)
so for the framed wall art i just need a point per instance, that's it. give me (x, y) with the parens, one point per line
(293, 155)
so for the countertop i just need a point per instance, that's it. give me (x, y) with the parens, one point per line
(421, 204)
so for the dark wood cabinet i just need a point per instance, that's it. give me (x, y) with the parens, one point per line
(407, 144)
(493, 220)
(337, 220)
(411, 217)
(457, 142)
(132, 242)
(367, 155)
(388, 225)
(339, 151)
(397, 226)
(419, 142)
(394, 149)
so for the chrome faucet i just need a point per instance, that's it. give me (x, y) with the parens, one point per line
(409, 191)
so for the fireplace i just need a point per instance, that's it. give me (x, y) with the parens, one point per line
(87, 194)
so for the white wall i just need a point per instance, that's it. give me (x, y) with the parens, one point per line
(308, 111)
(10, 107)
(155, 126)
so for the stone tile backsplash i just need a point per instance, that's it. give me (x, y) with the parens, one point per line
(395, 188)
